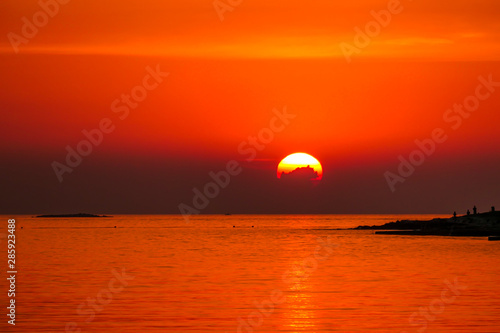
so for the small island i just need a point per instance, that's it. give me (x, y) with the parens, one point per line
(73, 215)
(471, 225)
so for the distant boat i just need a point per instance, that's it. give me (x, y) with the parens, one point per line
(494, 238)
(228, 214)
(73, 215)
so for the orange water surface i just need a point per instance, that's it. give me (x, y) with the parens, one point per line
(245, 273)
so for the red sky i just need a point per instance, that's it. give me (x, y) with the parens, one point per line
(225, 78)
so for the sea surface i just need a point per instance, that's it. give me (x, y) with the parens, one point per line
(246, 273)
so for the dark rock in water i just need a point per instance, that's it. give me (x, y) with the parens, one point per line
(478, 225)
(74, 215)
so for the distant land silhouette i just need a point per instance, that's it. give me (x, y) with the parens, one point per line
(479, 224)
(74, 215)
(300, 175)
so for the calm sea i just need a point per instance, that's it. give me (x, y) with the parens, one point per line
(279, 273)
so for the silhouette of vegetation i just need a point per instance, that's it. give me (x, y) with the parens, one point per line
(303, 174)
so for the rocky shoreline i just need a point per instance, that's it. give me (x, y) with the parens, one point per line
(473, 225)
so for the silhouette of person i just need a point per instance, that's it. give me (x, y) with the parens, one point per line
(468, 212)
(454, 214)
(474, 210)
(492, 208)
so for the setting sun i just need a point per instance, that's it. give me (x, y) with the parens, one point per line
(301, 164)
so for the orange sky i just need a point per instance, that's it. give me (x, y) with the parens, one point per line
(226, 77)
(438, 30)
